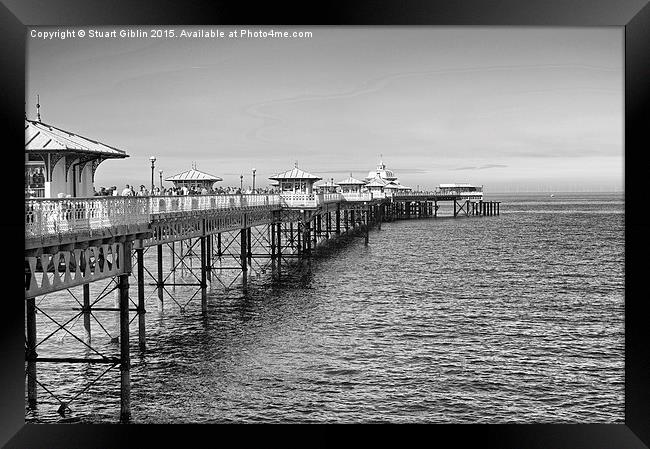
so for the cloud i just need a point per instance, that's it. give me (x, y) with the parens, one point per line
(482, 167)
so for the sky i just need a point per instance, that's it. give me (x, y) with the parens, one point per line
(509, 108)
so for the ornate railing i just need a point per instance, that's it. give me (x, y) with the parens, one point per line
(290, 199)
(356, 196)
(196, 203)
(54, 216)
(72, 215)
(329, 197)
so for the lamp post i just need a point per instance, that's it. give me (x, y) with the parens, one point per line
(153, 165)
(161, 187)
(253, 180)
(241, 183)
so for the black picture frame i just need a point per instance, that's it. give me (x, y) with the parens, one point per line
(17, 15)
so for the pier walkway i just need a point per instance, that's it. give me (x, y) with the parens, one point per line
(207, 240)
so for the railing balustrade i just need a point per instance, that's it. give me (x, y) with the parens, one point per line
(53, 216)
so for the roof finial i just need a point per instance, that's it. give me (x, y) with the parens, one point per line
(295, 164)
(38, 107)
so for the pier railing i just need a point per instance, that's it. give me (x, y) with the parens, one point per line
(356, 196)
(198, 203)
(73, 215)
(52, 216)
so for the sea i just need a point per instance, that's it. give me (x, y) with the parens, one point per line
(516, 318)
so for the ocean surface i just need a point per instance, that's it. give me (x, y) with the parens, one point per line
(517, 318)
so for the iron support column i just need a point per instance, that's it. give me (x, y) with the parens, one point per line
(204, 284)
(141, 310)
(31, 351)
(160, 275)
(86, 313)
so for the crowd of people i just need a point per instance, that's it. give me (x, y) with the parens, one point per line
(130, 190)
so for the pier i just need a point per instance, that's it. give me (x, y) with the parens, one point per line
(197, 242)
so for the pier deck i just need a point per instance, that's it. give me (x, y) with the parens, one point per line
(208, 240)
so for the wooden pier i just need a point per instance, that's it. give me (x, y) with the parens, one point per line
(207, 242)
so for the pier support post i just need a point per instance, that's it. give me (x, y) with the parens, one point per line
(219, 245)
(455, 211)
(244, 267)
(86, 313)
(380, 216)
(208, 260)
(204, 284)
(30, 354)
(141, 310)
(160, 276)
(498, 207)
(125, 356)
(346, 220)
(366, 225)
(338, 219)
(272, 240)
(298, 237)
(306, 236)
(279, 246)
(249, 246)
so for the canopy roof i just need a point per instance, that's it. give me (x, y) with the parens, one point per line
(376, 182)
(392, 185)
(43, 137)
(194, 175)
(327, 184)
(294, 173)
(350, 181)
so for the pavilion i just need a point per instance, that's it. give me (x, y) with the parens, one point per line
(295, 181)
(194, 178)
(382, 173)
(376, 185)
(327, 187)
(62, 163)
(351, 185)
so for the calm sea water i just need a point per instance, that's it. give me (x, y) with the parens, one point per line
(511, 319)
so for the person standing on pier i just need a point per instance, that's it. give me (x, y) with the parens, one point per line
(127, 191)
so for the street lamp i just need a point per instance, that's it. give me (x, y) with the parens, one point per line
(253, 180)
(161, 187)
(153, 165)
(241, 183)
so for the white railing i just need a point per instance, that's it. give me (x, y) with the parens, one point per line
(72, 215)
(194, 203)
(290, 199)
(53, 216)
(329, 198)
(356, 196)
